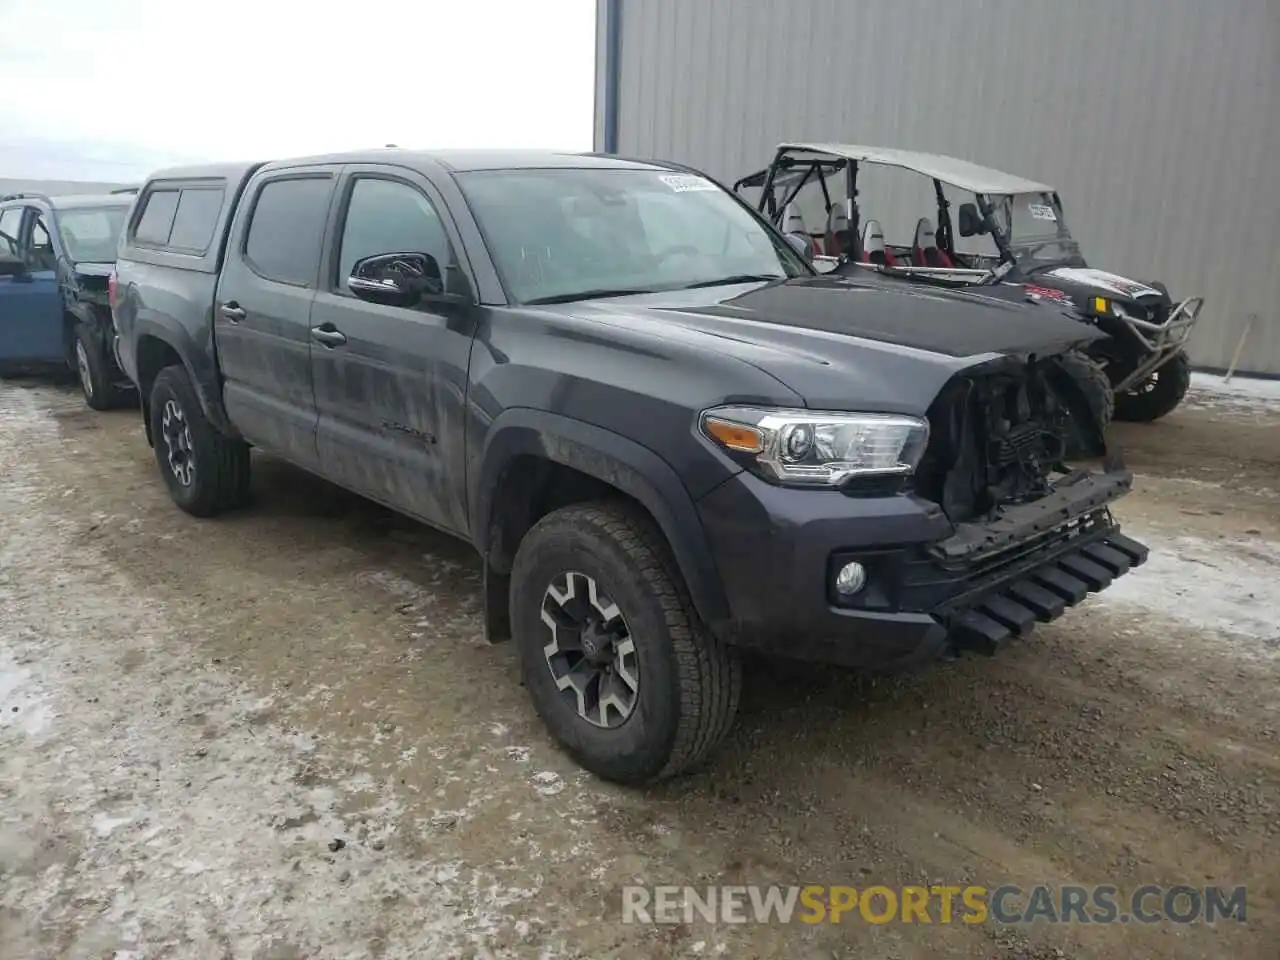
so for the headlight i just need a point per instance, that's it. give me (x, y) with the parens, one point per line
(1104, 307)
(818, 449)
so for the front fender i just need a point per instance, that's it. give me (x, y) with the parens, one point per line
(613, 459)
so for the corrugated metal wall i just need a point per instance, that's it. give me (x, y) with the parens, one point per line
(1158, 120)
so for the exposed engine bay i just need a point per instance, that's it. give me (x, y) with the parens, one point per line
(1002, 438)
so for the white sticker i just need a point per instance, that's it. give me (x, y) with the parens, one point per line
(1042, 211)
(682, 183)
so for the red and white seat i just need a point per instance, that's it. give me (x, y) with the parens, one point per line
(873, 248)
(793, 222)
(840, 240)
(925, 251)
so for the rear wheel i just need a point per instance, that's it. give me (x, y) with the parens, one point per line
(205, 471)
(619, 668)
(94, 371)
(1159, 394)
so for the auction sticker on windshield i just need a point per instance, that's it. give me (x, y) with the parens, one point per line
(682, 183)
(1042, 211)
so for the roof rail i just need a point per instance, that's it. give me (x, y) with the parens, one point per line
(24, 196)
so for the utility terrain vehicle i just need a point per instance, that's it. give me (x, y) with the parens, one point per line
(1030, 255)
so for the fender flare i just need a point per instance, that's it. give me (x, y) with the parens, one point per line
(204, 376)
(627, 466)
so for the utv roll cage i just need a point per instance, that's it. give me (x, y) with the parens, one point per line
(796, 165)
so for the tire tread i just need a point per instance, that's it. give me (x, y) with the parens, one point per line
(709, 673)
(224, 460)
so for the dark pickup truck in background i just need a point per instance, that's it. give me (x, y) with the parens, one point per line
(667, 437)
(55, 265)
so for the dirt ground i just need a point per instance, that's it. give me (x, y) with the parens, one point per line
(280, 734)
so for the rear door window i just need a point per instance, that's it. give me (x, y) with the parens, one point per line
(195, 218)
(286, 229)
(157, 217)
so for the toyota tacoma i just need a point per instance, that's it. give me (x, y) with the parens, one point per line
(666, 436)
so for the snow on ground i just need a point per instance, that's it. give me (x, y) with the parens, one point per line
(1231, 586)
(1253, 394)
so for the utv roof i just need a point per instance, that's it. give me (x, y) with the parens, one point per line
(960, 173)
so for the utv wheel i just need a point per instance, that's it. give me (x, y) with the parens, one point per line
(94, 372)
(620, 669)
(1093, 383)
(204, 471)
(1157, 395)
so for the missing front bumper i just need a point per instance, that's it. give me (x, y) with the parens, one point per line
(1040, 593)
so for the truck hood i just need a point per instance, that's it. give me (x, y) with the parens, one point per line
(846, 343)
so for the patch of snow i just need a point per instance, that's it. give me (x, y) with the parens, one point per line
(22, 702)
(1250, 395)
(1226, 585)
(1254, 388)
(547, 782)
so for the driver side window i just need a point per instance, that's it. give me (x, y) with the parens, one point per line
(389, 216)
(10, 221)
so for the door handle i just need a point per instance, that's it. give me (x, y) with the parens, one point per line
(329, 336)
(233, 311)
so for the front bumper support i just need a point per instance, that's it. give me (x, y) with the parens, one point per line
(1039, 594)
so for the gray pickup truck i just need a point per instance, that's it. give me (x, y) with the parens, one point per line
(667, 437)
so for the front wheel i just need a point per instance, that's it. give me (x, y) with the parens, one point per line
(1095, 389)
(205, 471)
(1159, 394)
(620, 669)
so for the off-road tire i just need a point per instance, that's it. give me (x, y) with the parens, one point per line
(1164, 396)
(220, 478)
(1095, 386)
(689, 682)
(93, 371)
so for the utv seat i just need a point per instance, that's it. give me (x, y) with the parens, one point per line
(925, 252)
(793, 222)
(873, 248)
(841, 241)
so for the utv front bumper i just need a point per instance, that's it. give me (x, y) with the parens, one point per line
(1160, 339)
(930, 588)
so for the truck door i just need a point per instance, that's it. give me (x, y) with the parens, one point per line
(262, 310)
(390, 382)
(30, 308)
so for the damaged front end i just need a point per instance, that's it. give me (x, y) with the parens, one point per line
(1032, 528)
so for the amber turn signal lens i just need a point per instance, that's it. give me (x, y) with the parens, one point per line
(735, 436)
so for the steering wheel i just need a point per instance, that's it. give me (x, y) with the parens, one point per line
(662, 255)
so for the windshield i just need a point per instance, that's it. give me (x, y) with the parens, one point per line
(568, 234)
(1037, 233)
(90, 233)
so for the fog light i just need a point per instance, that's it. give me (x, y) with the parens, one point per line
(851, 578)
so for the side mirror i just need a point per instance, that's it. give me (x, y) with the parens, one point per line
(971, 222)
(396, 279)
(802, 245)
(11, 266)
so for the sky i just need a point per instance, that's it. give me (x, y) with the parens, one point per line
(109, 91)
